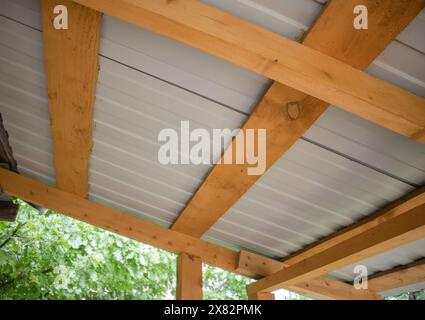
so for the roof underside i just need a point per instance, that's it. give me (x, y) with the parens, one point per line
(343, 169)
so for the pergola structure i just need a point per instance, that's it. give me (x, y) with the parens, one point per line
(325, 68)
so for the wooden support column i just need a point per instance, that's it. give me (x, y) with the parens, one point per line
(71, 59)
(189, 277)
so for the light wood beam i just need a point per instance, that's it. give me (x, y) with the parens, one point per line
(27, 189)
(321, 287)
(331, 289)
(261, 296)
(189, 277)
(228, 182)
(397, 208)
(285, 61)
(332, 34)
(119, 222)
(71, 60)
(389, 229)
(398, 277)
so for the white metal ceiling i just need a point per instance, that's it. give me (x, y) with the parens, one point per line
(343, 169)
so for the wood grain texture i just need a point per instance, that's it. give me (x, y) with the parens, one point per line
(397, 226)
(227, 183)
(280, 59)
(261, 296)
(331, 289)
(71, 60)
(387, 18)
(119, 222)
(398, 277)
(189, 278)
(321, 287)
(397, 208)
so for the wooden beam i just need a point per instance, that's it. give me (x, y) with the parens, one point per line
(398, 277)
(278, 58)
(397, 208)
(71, 60)
(332, 34)
(321, 287)
(189, 278)
(391, 228)
(129, 226)
(331, 289)
(262, 265)
(119, 222)
(228, 182)
(261, 296)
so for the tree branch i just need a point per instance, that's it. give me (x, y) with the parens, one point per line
(12, 235)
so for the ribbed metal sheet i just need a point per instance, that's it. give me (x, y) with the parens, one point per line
(410, 288)
(309, 193)
(400, 256)
(397, 257)
(131, 108)
(343, 169)
(23, 99)
(286, 17)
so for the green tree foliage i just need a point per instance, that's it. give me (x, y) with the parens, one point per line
(223, 285)
(50, 256)
(418, 295)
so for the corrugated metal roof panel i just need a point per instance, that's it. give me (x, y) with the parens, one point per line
(286, 17)
(412, 36)
(411, 288)
(311, 192)
(343, 169)
(23, 99)
(371, 145)
(399, 256)
(181, 65)
(131, 108)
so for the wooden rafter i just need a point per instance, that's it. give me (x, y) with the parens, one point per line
(398, 207)
(189, 278)
(331, 289)
(398, 277)
(388, 115)
(321, 287)
(71, 59)
(119, 222)
(332, 34)
(397, 225)
(280, 59)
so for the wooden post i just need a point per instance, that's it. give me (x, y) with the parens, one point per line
(189, 278)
